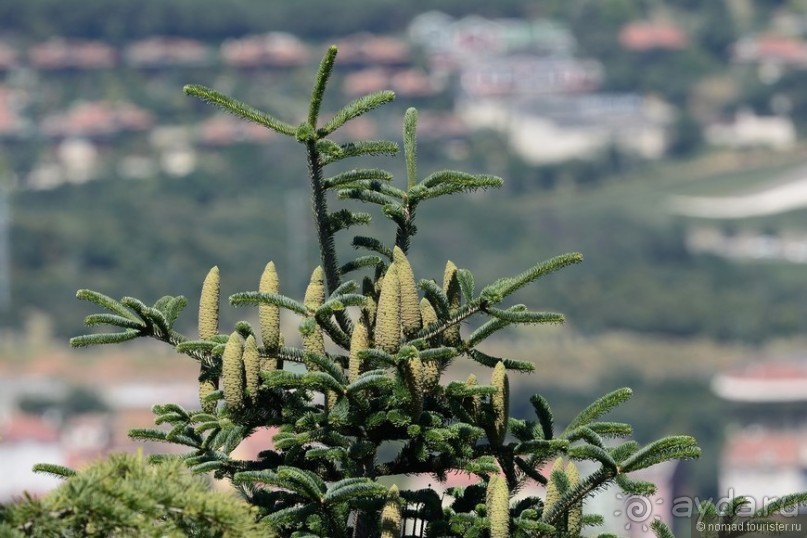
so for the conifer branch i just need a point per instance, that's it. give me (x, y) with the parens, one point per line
(452, 182)
(491, 326)
(661, 530)
(467, 284)
(354, 109)
(59, 471)
(345, 219)
(253, 298)
(544, 414)
(611, 429)
(374, 379)
(106, 302)
(360, 263)
(319, 206)
(114, 319)
(320, 82)
(105, 338)
(494, 293)
(239, 109)
(436, 297)
(369, 196)
(490, 361)
(675, 447)
(635, 487)
(599, 407)
(357, 149)
(524, 316)
(354, 176)
(410, 146)
(337, 335)
(576, 494)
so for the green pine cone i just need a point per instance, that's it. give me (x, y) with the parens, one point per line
(315, 292)
(358, 342)
(500, 402)
(269, 315)
(232, 371)
(209, 305)
(427, 313)
(314, 340)
(252, 366)
(410, 303)
(475, 403)
(451, 287)
(552, 492)
(431, 375)
(207, 385)
(391, 514)
(431, 372)
(498, 507)
(414, 382)
(388, 314)
(575, 520)
(270, 363)
(368, 311)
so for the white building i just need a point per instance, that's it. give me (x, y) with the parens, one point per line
(748, 130)
(765, 453)
(558, 128)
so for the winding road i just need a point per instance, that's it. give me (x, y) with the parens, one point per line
(788, 193)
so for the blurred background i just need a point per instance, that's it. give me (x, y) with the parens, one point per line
(664, 139)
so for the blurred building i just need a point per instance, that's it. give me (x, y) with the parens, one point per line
(25, 441)
(765, 450)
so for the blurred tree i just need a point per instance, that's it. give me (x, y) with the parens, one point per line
(126, 497)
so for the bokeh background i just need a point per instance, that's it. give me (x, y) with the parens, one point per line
(664, 139)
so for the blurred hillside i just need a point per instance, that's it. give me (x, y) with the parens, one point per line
(174, 181)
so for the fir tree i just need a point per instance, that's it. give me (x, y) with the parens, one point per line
(126, 497)
(395, 337)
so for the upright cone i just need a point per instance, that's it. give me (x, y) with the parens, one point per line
(498, 507)
(388, 314)
(269, 315)
(232, 371)
(451, 287)
(500, 403)
(252, 367)
(391, 514)
(410, 304)
(209, 305)
(314, 340)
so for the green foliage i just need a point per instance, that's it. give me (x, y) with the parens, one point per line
(125, 496)
(377, 382)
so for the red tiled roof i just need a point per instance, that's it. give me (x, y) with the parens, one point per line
(772, 48)
(28, 428)
(648, 35)
(155, 51)
(277, 49)
(761, 448)
(768, 381)
(371, 49)
(97, 119)
(61, 54)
